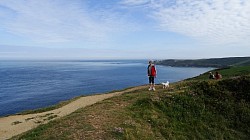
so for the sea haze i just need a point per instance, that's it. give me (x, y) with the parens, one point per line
(26, 85)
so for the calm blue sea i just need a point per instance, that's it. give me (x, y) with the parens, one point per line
(26, 85)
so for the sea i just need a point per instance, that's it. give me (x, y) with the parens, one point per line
(28, 85)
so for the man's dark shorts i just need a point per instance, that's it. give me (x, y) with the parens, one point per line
(151, 79)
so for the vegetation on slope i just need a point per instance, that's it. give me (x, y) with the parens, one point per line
(213, 62)
(226, 73)
(196, 108)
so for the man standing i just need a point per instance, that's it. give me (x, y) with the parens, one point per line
(151, 75)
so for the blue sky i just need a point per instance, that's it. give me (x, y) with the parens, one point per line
(124, 29)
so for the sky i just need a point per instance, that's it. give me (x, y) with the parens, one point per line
(124, 29)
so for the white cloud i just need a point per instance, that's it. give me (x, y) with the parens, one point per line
(58, 21)
(134, 2)
(217, 21)
(220, 21)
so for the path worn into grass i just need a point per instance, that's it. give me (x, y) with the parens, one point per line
(17, 124)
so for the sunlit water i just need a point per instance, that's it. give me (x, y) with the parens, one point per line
(26, 85)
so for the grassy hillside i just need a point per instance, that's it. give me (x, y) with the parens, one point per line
(226, 73)
(213, 62)
(196, 108)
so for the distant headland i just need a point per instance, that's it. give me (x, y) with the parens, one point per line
(212, 62)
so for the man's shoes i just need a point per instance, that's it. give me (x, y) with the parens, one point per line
(151, 89)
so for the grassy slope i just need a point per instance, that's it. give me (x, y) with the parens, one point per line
(196, 108)
(226, 72)
(56, 106)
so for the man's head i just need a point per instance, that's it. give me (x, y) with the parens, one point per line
(150, 61)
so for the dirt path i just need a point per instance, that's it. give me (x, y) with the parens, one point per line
(17, 124)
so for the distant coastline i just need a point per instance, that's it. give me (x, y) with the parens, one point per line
(212, 62)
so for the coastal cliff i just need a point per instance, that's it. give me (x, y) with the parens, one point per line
(196, 108)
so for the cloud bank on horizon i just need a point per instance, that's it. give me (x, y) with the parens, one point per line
(117, 24)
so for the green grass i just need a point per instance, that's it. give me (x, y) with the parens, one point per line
(49, 108)
(61, 104)
(228, 72)
(197, 108)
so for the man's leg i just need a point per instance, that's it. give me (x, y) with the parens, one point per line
(153, 83)
(150, 83)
